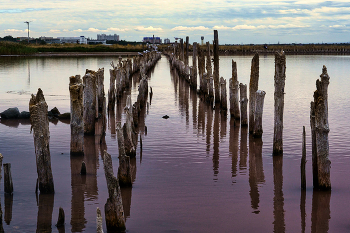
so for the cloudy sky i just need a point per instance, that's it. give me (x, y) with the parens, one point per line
(265, 21)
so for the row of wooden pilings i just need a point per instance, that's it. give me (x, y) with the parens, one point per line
(88, 116)
(214, 90)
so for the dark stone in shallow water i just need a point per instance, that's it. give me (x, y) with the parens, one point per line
(10, 113)
(165, 117)
(53, 112)
(64, 116)
(24, 115)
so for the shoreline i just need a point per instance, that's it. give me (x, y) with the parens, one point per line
(74, 54)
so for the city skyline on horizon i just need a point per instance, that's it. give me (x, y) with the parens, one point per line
(239, 22)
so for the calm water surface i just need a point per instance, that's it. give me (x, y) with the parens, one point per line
(197, 171)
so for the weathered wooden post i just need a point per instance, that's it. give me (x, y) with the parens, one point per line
(208, 64)
(90, 101)
(76, 115)
(124, 173)
(40, 125)
(303, 161)
(112, 92)
(223, 94)
(99, 228)
(259, 106)
(280, 78)
(321, 129)
(234, 106)
(210, 81)
(201, 69)
(114, 212)
(244, 104)
(187, 47)
(8, 185)
(182, 50)
(216, 66)
(128, 130)
(194, 66)
(253, 87)
(100, 90)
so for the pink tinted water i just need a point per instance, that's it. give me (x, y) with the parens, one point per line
(198, 172)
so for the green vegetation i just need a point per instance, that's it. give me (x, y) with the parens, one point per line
(16, 48)
(13, 48)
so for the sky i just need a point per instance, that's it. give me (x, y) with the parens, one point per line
(237, 22)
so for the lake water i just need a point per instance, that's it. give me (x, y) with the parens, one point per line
(197, 172)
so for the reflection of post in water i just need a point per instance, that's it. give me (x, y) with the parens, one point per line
(201, 117)
(45, 209)
(321, 211)
(127, 191)
(243, 149)
(216, 141)
(302, 210)
(8, 208)
(78, 183)
(256, 171)
(233, 146)
(278, 200)
(209, 125)
(223, 124)
(28, 72)
(193, 95)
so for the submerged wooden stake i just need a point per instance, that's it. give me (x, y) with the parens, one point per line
(303, 161)
(259, 106)
(244, 104)
(280, 78)
(41, 134)
(253, 87)
(223, 94)
(99, 228)
(61, 218)
(76, 115)
(8, 185)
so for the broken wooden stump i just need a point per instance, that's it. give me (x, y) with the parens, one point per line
(8, 185)
(253, 87)
(83, 168)
(124, 172)
(244, 104)
(41, 134)
(303, 161)
(321, 129)
(233, 86)
(129, 130)
(114, 212)
(90, 101)
(208, 60)
(280, 78)
(259, 106)
(194, 67)
(76, 115)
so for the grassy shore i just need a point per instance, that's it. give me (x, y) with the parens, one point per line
(11, 48)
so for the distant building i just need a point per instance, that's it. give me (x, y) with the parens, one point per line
(166, 41)
(76, 40)
(90, 41)
(50, 40)
(156, 40)
(101, 37)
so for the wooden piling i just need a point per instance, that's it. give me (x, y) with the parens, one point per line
(187, 47)
(114, 212)
(259, 106)
(244, 104)
(303, 161)
(124, 172)
(313, 143)
(280, 77)
(8, 185)
(223, 95)
(208, 64)
(194, 67)
(322, 130)
(112, 89)
(216, 66)
(128, 130)
(233, 86)
(100, 90)
(40, 125)
(76, 115)
(182, 54)
(253, 87)
(90, 101)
